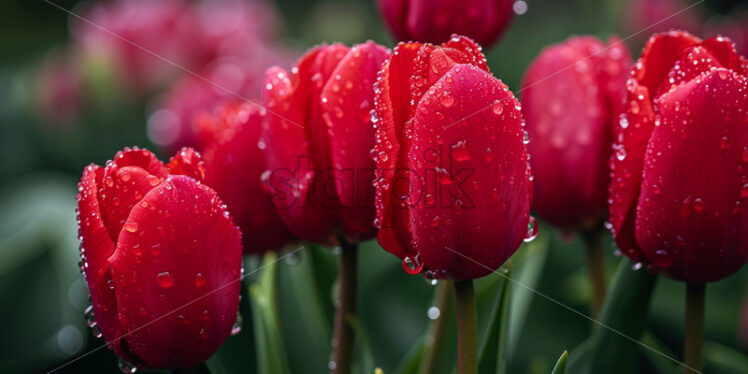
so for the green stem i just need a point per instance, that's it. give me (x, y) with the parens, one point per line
(199, 369)
(596, 265)
(435, 342)
(345, 309)
(467, 328)
(694, 341)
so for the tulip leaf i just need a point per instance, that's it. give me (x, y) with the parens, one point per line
(527, 271)
(271, 356)
(412, 360)
(724, 359)
(362, 346)
(622, 318)
(663, 364)
(560, 367)
(492, 349)
(306, 325)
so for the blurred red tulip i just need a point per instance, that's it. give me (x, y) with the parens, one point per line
(59, 88)
(317, 135)
(158, 249)
(150, 42)
(233, 166)
(452, 169)
(733, 26)
(645, 17)
(172, 124)
(679, 178)
(123, 32)
(573, 93)
(436, 20)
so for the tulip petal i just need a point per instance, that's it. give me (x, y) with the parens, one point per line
(695, 169)
(626, 163)
(347, 113)
(570, 101)
(97, 246)
(469, 179)
(436, 20)
(187, 162)
(176, 274)
(127, 178)
(658, 56)
(288, 151)
(392, 107)
(234, 166)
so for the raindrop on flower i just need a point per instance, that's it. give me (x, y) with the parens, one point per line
(126, 367)
(412, 266)
(237, 327)
(532, 230)
(164, 279)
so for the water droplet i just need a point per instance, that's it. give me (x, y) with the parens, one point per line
(130, 226)
(525, 137)
(292, 258)
(200, 280)
(637, 266)
(662, 259)
(448, 100)
(460, 151)
(433, 313)
(620, 154)
(434, 282)
(153, 180)
(96, 331)
(237, 327)
(124, 176)
(698, 205)
(126, 367)
(744, 190)
(532, 230)
(332, 365)
(164, 279)
(412, 266)
(90, 318)
(497, 107)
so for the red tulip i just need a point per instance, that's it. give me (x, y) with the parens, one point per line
(573, 94)
(644, 17)
(121, 30)
(233, 167)
(317, 137)
(436, 20)
(229, 78)
(452, 169)
(679, 178)
(161, 256)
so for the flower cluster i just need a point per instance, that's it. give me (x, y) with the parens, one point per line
(420, 146)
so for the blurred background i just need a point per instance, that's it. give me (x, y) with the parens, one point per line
(72, 94)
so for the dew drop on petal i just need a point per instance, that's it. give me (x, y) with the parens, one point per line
(532, 230)
(411, 266)
(237, 327)
(130, 226)
(126, 367)
(164, 279)
(200, 280)
(497, 107)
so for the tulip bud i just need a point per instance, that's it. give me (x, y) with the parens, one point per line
(317, 135)
(436, 20)
(453, 179)
(572, 96)
(679, 175)
(161, 256)
(234, 164)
